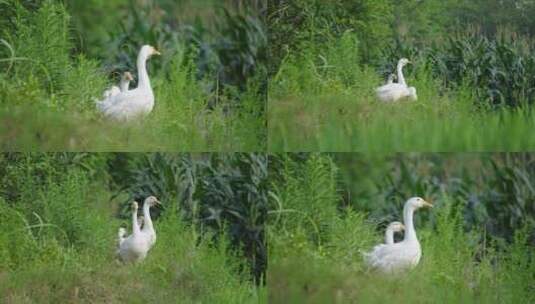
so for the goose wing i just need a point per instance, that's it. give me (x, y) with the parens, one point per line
(390, 258)
(391, 87)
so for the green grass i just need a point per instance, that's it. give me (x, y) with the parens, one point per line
(32, 119)
(315, 244)
(300, 272)
(191, 128)
(58, 242)
(330, 105)
(48, 91)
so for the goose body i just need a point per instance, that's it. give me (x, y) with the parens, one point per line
(131, 104)
(395, 257)
(114, 90)
(135, 247)
(396, 91)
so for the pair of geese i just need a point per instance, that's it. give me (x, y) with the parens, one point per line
(392, 91)
(395, 257)
(136, 246)
(122, 104)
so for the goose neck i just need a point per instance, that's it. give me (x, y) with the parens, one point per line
(144, 81)
(146, 216)
(124, 85)
(401, 78)
(135, 225)
(410, 232)
(389, 236)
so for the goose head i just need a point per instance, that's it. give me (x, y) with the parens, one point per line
(412, 93)
(127, 76)
(396, 226)
(418, 202)
(404, 61)
(152, 201)
(134, 206)
(147, 51)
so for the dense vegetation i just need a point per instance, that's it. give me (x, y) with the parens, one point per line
(209, 83)
(477, 241)
(60, 214)
(474, 77)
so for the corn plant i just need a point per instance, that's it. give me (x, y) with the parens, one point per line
(500, 68)
(495, 192)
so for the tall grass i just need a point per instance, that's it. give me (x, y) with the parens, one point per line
(58, 239)
(218, 192)
(325, 265)
(48, 90)
(322, 99)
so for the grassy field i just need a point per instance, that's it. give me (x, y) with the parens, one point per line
(474, 78)
(313, 109)
(54, 64)
(316, 236)
(177, 123)
(58, 242)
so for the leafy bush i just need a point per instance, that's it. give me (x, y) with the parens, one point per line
(307, 195)
(39, 58)
(303, 24)
(44, 197)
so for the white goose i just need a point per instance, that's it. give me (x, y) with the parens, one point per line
(389, 237)
(122, 231)
(390, 258)
(396, 91)
(390, 229)
(130, 104)
(114, 90)
(123, 85)
(135, 247)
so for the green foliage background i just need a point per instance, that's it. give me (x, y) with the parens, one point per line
(477, 241)
(60, 213)
(55, 59)
(474, 76)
